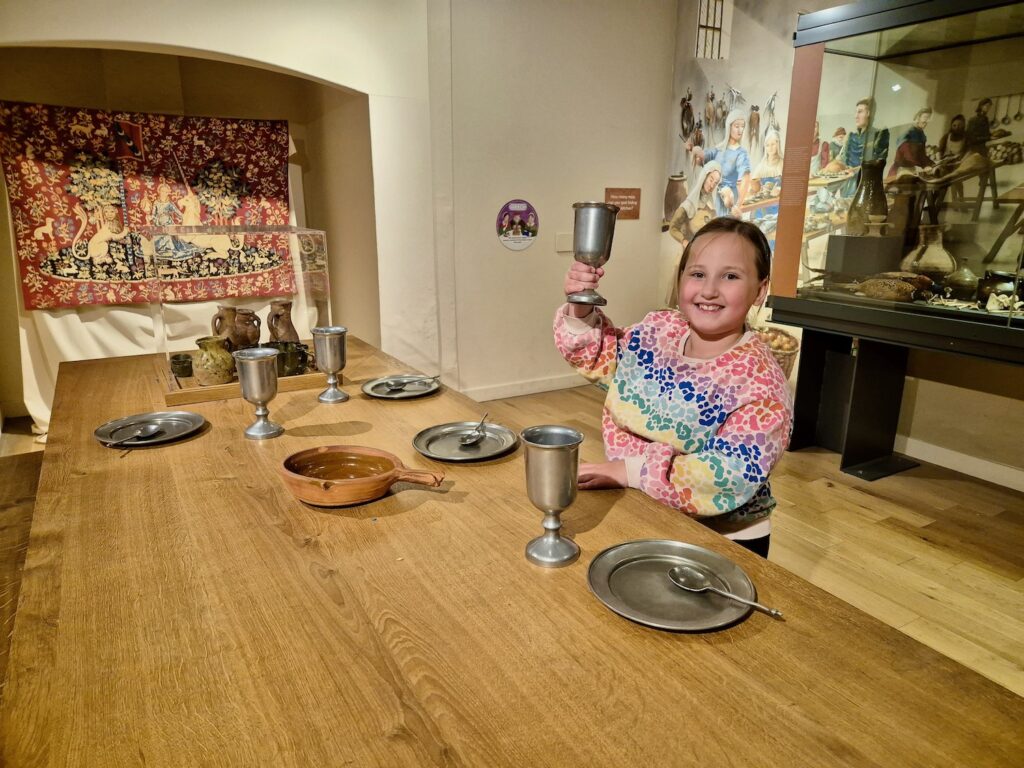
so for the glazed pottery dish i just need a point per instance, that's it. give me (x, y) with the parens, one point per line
(342, 475)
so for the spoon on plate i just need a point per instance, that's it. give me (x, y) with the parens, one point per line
(146, 430)
(397, 385)
(695, 580)
(475, 435)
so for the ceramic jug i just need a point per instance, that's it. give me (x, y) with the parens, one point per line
(213, 364)
(961, 285)
(279, 321)
(868, 202)
(223, 323)
(929, 258)
(247, 329)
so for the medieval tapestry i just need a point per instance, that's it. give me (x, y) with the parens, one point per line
(88, 187)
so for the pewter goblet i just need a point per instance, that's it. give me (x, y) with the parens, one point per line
(329, 345)
(592, 243)
(257, 373)
(552, 462)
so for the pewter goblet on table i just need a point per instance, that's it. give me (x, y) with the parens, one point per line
(257, 373)
(329, 345)
(552, 463)
(592, 243)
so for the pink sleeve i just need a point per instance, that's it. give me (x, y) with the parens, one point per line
(589, 345)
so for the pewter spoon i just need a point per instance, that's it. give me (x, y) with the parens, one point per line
(146, 430)
(397, 386)
(475, 435)
(694, 580)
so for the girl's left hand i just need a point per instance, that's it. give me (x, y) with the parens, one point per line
(607, 474)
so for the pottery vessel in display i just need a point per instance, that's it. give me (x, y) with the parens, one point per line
(223, 323)
(247, 329)
(279, 321)
(930, 257)
(213, 364)
(868, 200)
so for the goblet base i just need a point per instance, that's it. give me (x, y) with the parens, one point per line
(263, 429)
(589, 296)
(333, 395)
(552, 551)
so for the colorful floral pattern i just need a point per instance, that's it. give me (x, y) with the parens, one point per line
(710, 431)
(83, 183)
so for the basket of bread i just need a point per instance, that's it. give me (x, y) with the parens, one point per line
(783, 345)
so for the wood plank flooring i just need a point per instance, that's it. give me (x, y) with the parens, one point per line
(933, 553)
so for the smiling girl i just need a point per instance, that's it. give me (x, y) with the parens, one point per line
(698, 412)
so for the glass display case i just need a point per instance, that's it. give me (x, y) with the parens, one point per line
(903, 190)
(223, 288)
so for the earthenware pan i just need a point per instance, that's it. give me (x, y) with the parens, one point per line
(342, 475)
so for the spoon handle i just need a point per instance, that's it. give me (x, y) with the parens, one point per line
(773, 612)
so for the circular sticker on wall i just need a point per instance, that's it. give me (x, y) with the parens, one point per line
(517, 224)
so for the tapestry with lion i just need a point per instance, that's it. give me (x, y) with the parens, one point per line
(88, 188)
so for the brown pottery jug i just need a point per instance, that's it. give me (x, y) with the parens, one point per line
(223, 323)
(247, 329)
(279, 321)
(213, 364)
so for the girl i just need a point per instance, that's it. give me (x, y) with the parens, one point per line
(698, 411)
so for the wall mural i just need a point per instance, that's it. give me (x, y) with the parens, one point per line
(733, 158)
(84, 184)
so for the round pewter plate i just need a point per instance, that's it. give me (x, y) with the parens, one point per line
(442, 442)
(632, 579)
(174, 425)
(415, 388)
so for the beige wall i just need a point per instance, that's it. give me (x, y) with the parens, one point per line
(331, 128)
(551, 102)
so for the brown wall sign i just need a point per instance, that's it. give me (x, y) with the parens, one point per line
(628, 200)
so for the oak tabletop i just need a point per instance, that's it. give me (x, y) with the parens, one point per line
(180, 608)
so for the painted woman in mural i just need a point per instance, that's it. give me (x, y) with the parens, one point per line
(699, 207)
(164, 212)
(910, 146)
(734, 160)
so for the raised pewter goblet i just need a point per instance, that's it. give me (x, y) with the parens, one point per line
(552, 462)
(257, 373)
(329, 345)
(592, 243)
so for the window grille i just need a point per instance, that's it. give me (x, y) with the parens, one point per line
(712, 37)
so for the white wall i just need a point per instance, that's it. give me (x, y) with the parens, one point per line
(551, 102)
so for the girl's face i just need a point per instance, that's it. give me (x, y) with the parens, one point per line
(719, 285)
(711, 181)
(736, 129)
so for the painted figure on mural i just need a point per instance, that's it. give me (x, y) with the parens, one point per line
(954, 141)
(910, 154)
(699, 207)
(979, 131)
(865, 143)
(735, 163)
(686, 116)
(768, 173)
(111, 229)
(164, 212)
(820, 151)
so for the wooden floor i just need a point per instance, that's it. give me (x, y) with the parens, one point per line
(933, 553)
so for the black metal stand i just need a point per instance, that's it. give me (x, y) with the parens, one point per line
(848, 400)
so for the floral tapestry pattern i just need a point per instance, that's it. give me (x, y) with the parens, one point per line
(85, 185)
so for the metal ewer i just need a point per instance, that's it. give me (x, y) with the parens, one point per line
(552, 463)
(329, 346)
(257, 374)
(592, 243)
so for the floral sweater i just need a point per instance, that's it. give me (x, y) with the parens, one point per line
(699, 435)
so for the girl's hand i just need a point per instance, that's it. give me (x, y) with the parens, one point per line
(581, 276)
(607, 474)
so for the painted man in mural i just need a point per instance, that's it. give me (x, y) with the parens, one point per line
(865, 142)
(910, 146)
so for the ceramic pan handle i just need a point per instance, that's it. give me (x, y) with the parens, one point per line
(421, 476)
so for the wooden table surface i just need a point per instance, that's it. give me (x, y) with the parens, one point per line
(180, 608)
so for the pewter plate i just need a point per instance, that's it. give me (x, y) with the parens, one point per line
(415, 388)
(632, 579)
(442, 441)
(174, 425)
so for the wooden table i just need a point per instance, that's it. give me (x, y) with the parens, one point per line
(1013, 224)
(180, 608)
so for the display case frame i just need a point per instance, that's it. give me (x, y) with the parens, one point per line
(999, 338)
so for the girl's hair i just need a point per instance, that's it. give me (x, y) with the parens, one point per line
(749, 232)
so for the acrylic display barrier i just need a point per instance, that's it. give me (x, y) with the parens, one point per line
(915, 197)
(226, 288)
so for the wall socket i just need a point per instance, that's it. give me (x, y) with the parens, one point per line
(563, 242)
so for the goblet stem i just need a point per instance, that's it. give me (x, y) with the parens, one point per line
(552, 550)
(333, 393)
